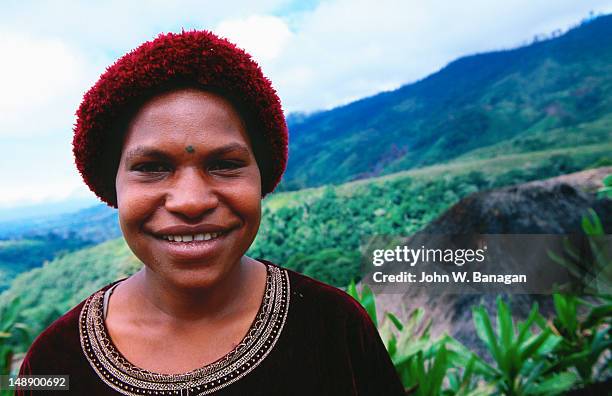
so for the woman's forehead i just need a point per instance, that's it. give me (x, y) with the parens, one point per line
(186, 105)
(186, 120)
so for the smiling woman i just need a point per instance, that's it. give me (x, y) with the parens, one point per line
(172, 201)
(184, 135)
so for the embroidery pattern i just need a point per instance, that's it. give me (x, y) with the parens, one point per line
(125, 378)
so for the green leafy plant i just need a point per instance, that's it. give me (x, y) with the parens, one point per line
(519, 354)
(606, 190)
(427, 375)
(447, 368)
(583, 342)
(366, 299)
(13, 334)
(425, 365)
(595, 272)
(407, 343)
(464, 382)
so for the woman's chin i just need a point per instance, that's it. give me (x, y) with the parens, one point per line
(186, 275)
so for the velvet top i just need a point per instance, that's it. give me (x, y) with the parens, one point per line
(308, 338)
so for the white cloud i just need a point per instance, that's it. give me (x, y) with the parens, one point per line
(347, 49)
(115, 26)
(262, 36)
(41, 82)
(38, 169)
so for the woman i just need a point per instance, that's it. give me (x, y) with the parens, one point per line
(184, 135)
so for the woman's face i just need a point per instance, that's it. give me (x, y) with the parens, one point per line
(188, 187)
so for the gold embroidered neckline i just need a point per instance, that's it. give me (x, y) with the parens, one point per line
(112, 367)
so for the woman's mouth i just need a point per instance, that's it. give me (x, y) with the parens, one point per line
(193, 247)
(192, 237)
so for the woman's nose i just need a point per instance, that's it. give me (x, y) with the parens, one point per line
(191, 195)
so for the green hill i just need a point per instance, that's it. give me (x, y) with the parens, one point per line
(551, 94)
(47, 292)
(28, 244)
(540, 110)
(315, 231)
(485, 120)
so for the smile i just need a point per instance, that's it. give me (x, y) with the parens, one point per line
(191, 238)
(193, 247)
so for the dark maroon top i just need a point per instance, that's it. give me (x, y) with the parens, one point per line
(325, 344)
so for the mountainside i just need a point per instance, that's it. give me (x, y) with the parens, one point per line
(47, 292)
(551, 206)
(306, 228)
(321, 237)
(93, 224)
(484, 121)
(550, 94)
(27, 244)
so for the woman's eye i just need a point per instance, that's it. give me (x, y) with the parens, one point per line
(152, 167)
(224, 165)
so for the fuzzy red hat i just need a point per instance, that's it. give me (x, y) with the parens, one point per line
(187, 59)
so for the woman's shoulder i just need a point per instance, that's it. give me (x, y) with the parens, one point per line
(326, 299)
(61, 336)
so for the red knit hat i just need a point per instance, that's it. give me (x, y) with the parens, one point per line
(188, 59)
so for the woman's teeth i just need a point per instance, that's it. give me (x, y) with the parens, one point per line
(188, 238)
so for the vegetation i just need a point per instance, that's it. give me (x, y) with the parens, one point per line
(531, 357)
(552, 94)
(43, 294)
(583, 342)
(606, 190)
(319, 231)
(21, 255)
(522, 115)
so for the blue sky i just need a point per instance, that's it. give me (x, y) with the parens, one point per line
(318, 54)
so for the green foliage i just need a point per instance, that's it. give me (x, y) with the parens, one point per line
(365, 298)
(594, 270)
(530, 357)
(14, 333)
(21, 255)
(332, 266)
(583, 342)
(427, 377)
(320, 235)
(606, 190)
(42, 295)
(520, 354)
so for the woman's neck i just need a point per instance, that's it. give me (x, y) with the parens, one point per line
(163, 302)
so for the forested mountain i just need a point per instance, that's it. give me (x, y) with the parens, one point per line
(552, 93)
(25, 245)
(448, 154)
(509, 116)
(298, 227)
(320, 233)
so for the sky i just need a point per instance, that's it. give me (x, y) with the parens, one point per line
(318, 54)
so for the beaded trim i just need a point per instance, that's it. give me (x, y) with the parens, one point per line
(118, 373)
